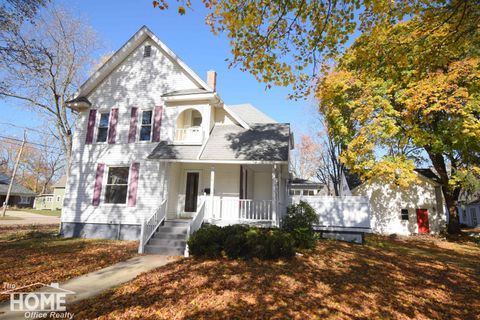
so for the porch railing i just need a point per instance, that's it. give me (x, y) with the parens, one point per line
(196, 223)
(192, 135)
(247, 210)
(151, 224)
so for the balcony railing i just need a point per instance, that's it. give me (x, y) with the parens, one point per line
(192, 135)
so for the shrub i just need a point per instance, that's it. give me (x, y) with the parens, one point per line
(299, 222)
(206, 242)
(278, 244)
(236, 245)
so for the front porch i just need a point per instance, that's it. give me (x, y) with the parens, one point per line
(226, 193)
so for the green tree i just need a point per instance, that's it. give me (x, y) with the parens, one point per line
(406, 90)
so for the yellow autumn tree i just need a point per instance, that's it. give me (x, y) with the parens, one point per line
(408, 91)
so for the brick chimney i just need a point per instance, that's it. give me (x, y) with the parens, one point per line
(212, 80)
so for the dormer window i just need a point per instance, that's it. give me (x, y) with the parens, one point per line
(147, 51)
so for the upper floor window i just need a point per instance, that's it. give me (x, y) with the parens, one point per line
(146, 126)
(404, 214)
(102, 133)
(117, 185)
(147, 51)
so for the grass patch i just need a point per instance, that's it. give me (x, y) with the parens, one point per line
(30, 255)
(387, 278)
(45, 212)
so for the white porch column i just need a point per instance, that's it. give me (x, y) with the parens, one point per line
(212, 190)
(274, 195)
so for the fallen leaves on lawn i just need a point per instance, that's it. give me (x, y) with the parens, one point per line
(400, 279)
(41, 256)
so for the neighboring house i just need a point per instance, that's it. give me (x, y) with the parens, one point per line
(469, 213)
(420, 208)
(303, 187)
(154, 142)
(52, 201)
(43, 202)
(19, 195)
(59, 193)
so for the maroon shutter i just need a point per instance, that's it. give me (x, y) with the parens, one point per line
(91, 126)
(132, 133)
(157, 124)
(97, 190)
(133, 185)
(112, 127)
(241, 182)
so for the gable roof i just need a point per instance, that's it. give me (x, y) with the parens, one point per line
(17, 189)
(121, 54)
(250, 114)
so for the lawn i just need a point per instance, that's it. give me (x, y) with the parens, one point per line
(45, 212)
(387, 278)
(29, 255)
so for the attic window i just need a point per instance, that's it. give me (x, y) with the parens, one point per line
(147, 51)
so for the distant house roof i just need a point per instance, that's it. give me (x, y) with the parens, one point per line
(165, 151)
(17, 189)
(262, 142)
(305, 184)
(250, 114)
(61, 182)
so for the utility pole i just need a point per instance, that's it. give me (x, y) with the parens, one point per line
(14, 172)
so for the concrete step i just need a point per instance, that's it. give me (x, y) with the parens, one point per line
(174, 236)
(173, 230)
(177, 223)
(164, 250)
(168, 242)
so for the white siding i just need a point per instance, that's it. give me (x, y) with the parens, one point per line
(387, 201)
(136, 82)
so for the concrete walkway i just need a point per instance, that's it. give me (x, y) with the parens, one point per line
(94, 283)
(26, 218)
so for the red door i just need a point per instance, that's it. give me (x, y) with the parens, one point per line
(422, 220)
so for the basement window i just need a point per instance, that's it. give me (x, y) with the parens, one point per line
(147, 51)
(404, 214)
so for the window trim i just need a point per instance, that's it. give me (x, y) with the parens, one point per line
(139, 124)
(105, 184)
(97, 125)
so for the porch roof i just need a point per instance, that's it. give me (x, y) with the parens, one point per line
(262, 142)
(165, 151)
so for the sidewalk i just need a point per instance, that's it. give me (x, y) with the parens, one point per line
(93, 283)
(26, 218)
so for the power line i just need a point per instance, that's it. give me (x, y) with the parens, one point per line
(27, 128)
(34, 143)
(7, 140)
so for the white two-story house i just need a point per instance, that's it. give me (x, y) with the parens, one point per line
(157, 152)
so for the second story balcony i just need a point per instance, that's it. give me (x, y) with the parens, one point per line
(188, 129)
(192, 135)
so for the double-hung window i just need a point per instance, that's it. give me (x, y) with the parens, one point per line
(146, 126)
(102, 133)
(404, 214)
(117, 185)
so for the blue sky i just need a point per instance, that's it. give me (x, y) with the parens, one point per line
(189, 37)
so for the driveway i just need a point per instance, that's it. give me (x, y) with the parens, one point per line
(26, 218)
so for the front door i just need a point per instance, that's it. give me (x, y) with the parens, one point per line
(422, 220)
(191, 191)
